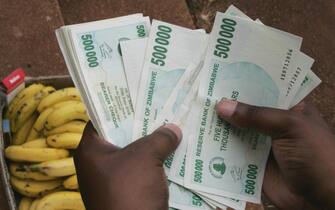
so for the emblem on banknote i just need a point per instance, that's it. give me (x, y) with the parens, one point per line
(217, 167)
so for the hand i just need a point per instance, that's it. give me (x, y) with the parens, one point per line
(301, 170)
(125, 179)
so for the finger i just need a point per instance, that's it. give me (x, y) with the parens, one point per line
(91, 141)
(266, 120)
(276, 189)
(164, 141)
(299, 108)
(90, 149)
(305, 109)
(311, 112)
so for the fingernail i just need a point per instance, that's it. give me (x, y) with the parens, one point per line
(173, 128)
(226, 108)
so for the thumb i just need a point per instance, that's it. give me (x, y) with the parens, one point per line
(164, 140)
(91, 141)
(266, 120)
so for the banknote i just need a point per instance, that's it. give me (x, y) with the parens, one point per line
(180, 198)
(284, 37)
(169, 112)
(177, 105)
(245, 65)
(99, 66)
(133, 52)
(217, 204)
(285, 68)
(182, 117)
(213, 204)
(65, 43)
(177, 168)
(311, 81)
(133, 77)
(170, 49)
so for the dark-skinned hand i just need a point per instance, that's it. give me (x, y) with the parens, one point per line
(301, 169)
(298, 175)
(130, 178)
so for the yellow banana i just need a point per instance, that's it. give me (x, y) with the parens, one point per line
(34, 204)
(71, 183)
(21, 96)
(72, 127)
(64, 140)
(24, 154)
(32, 93)
(25, 203)
(61, 200)
(28, 108)
(23, 113)
(36, 143)
(64, 103)
(32, 188)
(55, 168)
(65, 94)
(67, 113)
(39, 124)
(22, 171)
(33, 134)
(21, 136)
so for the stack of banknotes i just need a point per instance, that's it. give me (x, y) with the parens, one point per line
(134, 76)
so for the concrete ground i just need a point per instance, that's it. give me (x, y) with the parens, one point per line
(28, 39)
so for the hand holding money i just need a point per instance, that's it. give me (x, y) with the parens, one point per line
(299, 170)
(134, 76)
(296, 153)
(128, 178)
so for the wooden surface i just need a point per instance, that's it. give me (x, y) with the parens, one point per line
(28, 39)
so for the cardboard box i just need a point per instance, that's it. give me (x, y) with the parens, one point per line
(57, 82)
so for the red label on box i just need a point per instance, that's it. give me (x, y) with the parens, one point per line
(14, 79)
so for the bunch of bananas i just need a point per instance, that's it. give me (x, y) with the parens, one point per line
(46, 124)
